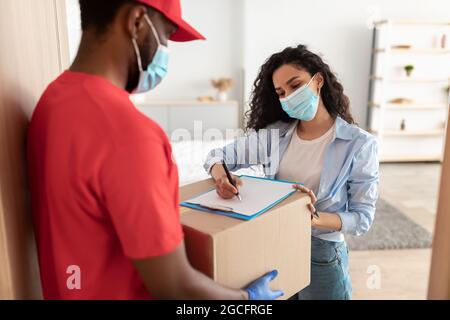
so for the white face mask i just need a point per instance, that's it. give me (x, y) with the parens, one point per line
(157, 69)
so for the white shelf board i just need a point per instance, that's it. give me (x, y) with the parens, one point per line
(411, 158)
(410, 106)
(411, 79)
(414, 51)
(406, 133)
(413, 22)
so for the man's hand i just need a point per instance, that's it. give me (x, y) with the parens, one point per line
(172, 277)
(260, 289)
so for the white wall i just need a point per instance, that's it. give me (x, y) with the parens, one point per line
(337, 29)
(243, 33)
(194, 64)
(73, 26)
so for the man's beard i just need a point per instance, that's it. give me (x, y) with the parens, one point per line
(133, 80)
(134, 74)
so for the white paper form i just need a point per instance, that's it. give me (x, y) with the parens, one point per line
(257, 195)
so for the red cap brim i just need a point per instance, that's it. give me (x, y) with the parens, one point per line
(172, 11)
(185, 32)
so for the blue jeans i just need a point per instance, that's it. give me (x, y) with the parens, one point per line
(330, 278)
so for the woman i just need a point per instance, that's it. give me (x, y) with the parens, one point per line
(302, 130)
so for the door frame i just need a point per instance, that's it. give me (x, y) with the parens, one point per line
(439, 282)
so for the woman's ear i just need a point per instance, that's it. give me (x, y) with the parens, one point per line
(320, 81)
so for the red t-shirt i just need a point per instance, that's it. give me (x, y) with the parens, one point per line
(104, 190)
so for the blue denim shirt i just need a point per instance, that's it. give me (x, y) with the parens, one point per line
(349, 180)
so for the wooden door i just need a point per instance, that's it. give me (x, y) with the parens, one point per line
(33, 51)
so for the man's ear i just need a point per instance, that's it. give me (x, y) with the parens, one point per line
(136, 21)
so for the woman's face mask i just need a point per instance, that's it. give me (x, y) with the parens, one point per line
(302, 104)
(157, 69)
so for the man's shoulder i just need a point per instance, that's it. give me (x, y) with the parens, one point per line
(94, 105)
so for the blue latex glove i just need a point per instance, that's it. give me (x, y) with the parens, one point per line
(260, 290)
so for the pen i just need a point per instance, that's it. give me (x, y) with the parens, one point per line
(316, 214)
(230, 179)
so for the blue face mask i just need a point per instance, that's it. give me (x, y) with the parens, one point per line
(302, 104)
(157, 69)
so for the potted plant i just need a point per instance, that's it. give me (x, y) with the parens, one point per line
(409, 69)
(223, 85)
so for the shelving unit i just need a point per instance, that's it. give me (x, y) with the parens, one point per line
(413, 130)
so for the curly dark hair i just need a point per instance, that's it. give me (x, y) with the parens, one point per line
(265, 106)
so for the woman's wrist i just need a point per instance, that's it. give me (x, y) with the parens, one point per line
(327, 221)
(217, 171)
(315, 221)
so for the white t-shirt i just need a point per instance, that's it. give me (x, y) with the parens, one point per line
(303, 159)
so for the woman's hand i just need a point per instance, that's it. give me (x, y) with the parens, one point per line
(326, 221)
(223, 186)
(312, 209)
(309, 192)
(225, 189)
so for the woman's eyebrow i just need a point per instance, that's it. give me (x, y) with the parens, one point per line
(292, 79)
(288, 82)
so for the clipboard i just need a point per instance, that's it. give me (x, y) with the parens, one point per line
(282, 189)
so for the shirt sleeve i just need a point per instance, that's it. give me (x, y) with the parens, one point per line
(362, 188)
(140, 191)
(243, 152)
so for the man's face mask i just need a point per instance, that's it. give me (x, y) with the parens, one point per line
(157, 69)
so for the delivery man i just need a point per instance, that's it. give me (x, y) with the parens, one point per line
(104, 187)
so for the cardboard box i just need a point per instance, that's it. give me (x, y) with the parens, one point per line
(235, 252)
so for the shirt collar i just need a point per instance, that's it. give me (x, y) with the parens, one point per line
(343, 129)
(288, 128)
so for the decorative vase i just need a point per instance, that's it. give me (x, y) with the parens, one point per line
(222, 85)
(444, 41)
(403, 125)
(222, 96)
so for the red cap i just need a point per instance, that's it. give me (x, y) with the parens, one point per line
(171, 9)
